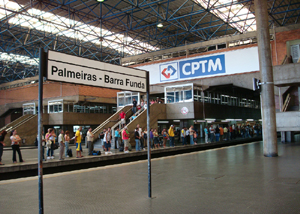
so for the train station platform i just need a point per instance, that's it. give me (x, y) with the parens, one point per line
(30, 156)
(236, 179)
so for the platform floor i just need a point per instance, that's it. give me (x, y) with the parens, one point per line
(237, 179)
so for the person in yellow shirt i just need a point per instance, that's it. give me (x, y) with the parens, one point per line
(78, 142)
(171, 136)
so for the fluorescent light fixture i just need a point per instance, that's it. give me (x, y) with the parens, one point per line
(224, 121)
(32, 82)
(210, 119)
(230, 119)
(100, 0)
(250, 120)
(238, 119)
(200, 121)
(160, 25)
(176, 120)
(260, 120)
(162, 121)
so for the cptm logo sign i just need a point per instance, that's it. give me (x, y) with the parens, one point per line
(168, 71)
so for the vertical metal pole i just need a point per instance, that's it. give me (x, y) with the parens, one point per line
(266, 70)
(148, 138)
(40, 129)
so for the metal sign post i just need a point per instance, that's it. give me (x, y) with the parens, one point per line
(42, 66)
(148, 137)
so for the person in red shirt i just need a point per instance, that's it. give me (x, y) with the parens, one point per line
(231, 132)
(122, 118)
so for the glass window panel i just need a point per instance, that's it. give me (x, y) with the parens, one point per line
(177, 96)
(170, 97)
(188, 95)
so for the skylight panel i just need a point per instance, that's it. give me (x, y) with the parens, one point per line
(237, 15)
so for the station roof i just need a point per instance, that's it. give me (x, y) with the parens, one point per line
(108, 30)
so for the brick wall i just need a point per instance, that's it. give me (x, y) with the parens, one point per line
(280, 47)
(51, 90)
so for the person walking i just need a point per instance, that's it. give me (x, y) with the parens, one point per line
(15, 145)
(67, 141)
(61, 141)
(191, 132)
(78, 138)
(171, 136)
(122, 117)
(50, 139)
(2, 144)
(117, 137)
(137, 139)
(206, 134)
(125, 137)
(182, 135)
(90, 140)
(134, 105)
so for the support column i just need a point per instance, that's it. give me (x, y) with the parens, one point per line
(266, 70)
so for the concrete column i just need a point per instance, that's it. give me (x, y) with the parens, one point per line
(280, 106)
(266, 70)
(289, 137)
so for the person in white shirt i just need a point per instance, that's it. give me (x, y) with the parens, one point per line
(61, 141)
(15, 144)
(90, 139)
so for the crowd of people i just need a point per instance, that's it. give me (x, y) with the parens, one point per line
(158, 139)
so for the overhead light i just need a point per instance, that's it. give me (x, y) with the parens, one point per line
(32, 82)
(159, 25)
(176, 120)
(100, 0)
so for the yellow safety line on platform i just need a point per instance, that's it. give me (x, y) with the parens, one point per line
(18, 180)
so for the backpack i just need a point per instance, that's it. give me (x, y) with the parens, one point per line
(69, 152)
(96, 152)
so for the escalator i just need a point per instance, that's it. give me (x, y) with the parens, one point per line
(112, 121)
(26, 127)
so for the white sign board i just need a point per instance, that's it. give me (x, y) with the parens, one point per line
(72, 69)
(223, 63)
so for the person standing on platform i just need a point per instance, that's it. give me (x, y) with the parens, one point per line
(122, 117)
(145, 138)
(156, 139)
(151, 139)
(141, 137)
(195, 137)
(78, 142)
(2, 144)
(171, 136)
(61, 141)
(125, 137)
(212, 133)
(165, 137)
(50, 139)
(102, 138)
(206, 134)
(230, 132)
(134, 105)
(145, 105)
(15, 144)
(221, 133)
(90, 140)
(225, 133)
(67, 141)
(217, 133)
(117, 137)
(107, 143)
(137, 139)
(191, 134)
(182, 135)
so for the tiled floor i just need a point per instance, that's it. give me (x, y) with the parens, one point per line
(237, 179)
